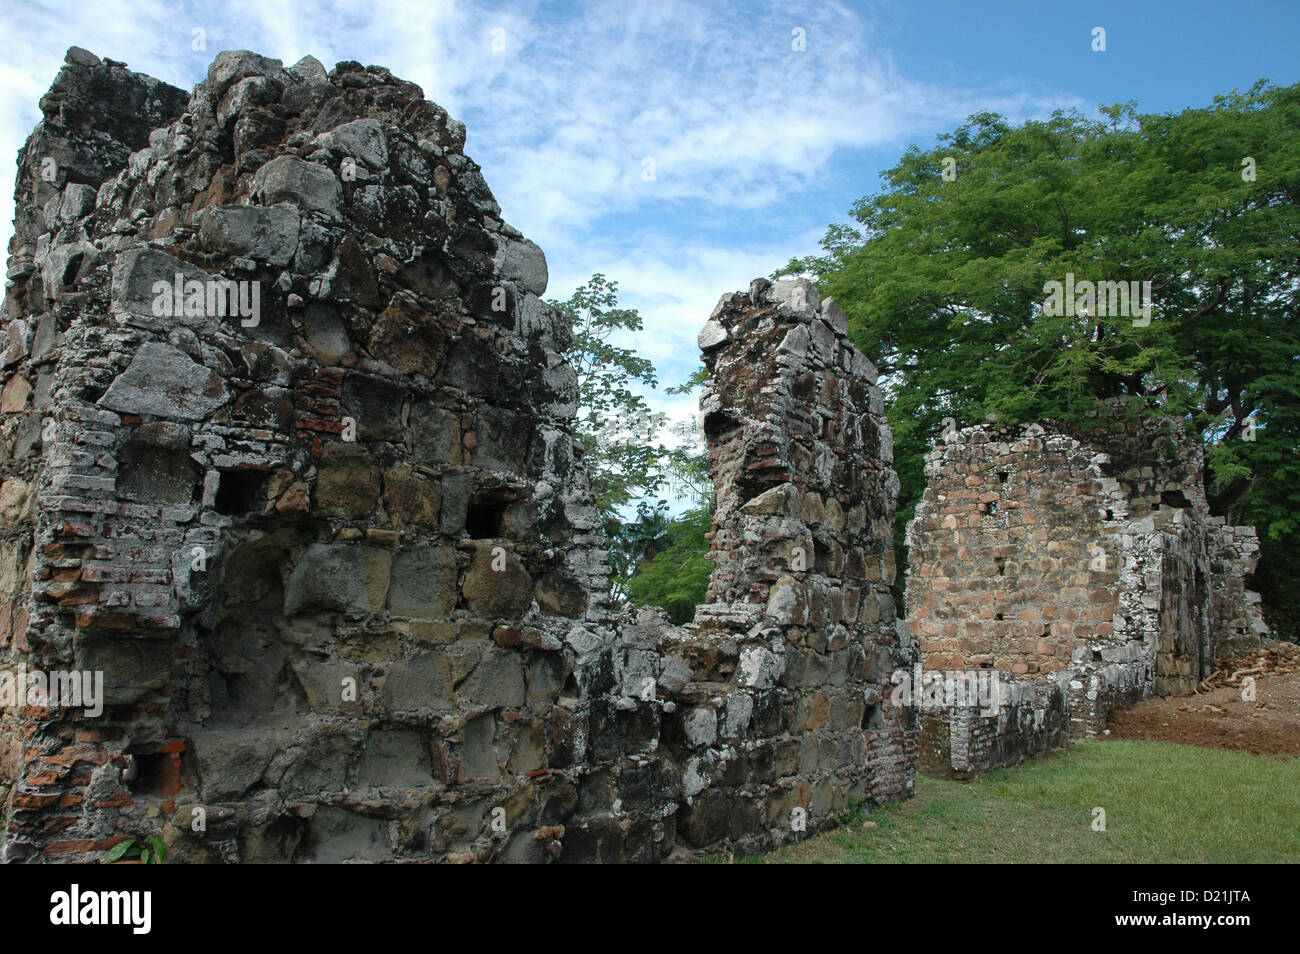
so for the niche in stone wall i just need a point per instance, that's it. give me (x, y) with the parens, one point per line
(242, 671)
(485, 514)
(240, 492)
(156, 471)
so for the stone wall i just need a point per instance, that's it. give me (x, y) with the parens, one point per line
(288, 459)
(800, 627)
(1082, 574)
(328, 559)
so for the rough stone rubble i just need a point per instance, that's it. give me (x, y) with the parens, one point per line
(286, 453)
(1085, 573)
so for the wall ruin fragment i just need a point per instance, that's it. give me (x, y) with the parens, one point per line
(1081, 574)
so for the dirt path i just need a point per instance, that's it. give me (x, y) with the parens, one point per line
(1220, 718)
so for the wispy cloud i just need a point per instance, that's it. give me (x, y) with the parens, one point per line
(564, 102)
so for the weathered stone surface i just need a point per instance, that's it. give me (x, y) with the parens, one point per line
(835, 317)
(133, 668)
(311, 187)
(411, 499)
(424, 583)
(268, 234)
(395, 758)
(340, 577)
(422, 682)
(435, 435)
(711, 336)
(408, 337)
(164, 382)
(522, 262)
(232, 65)
(797, 295)
(498, 680)
(348, 483)
(496, 584)
(361, 140)
(231, 762)
(135, 273)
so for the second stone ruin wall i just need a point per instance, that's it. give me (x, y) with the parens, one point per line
(800, 628)
(1077, 575)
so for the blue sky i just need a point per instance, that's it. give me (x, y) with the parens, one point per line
(757, 146)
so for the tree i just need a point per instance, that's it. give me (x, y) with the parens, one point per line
(944, 281)
(618, 432)
(675, 575)
(621, 441)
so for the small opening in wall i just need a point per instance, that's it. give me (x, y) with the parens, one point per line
(1001, 564)
(72, 270)
(1108, 515)
(1174, 498)
(239, 491)
(873, 717)
(991, 508)
(484, 519)
(998, 616)
(155, 774)
(1002, 476)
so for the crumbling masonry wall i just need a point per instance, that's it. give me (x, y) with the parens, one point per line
(337, 557)
(1082, 574)
(799, 638)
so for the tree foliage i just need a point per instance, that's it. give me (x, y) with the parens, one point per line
(615, 425)
(629, 464)
(944, 282)
(674, 575)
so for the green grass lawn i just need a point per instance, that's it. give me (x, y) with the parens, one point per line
(1163, 802)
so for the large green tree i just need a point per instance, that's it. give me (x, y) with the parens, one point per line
(944, 277)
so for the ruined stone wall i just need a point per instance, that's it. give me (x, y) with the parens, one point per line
(288, 457)
(328, 558)
(1085, 574)
(799, 636)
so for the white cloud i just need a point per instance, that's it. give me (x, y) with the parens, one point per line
(563, 117)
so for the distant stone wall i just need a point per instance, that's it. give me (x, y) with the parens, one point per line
(288, 461)
(1081, 575)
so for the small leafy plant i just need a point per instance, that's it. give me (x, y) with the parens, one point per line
(152, 852)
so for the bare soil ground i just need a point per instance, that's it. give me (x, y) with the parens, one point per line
(1218, 717)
